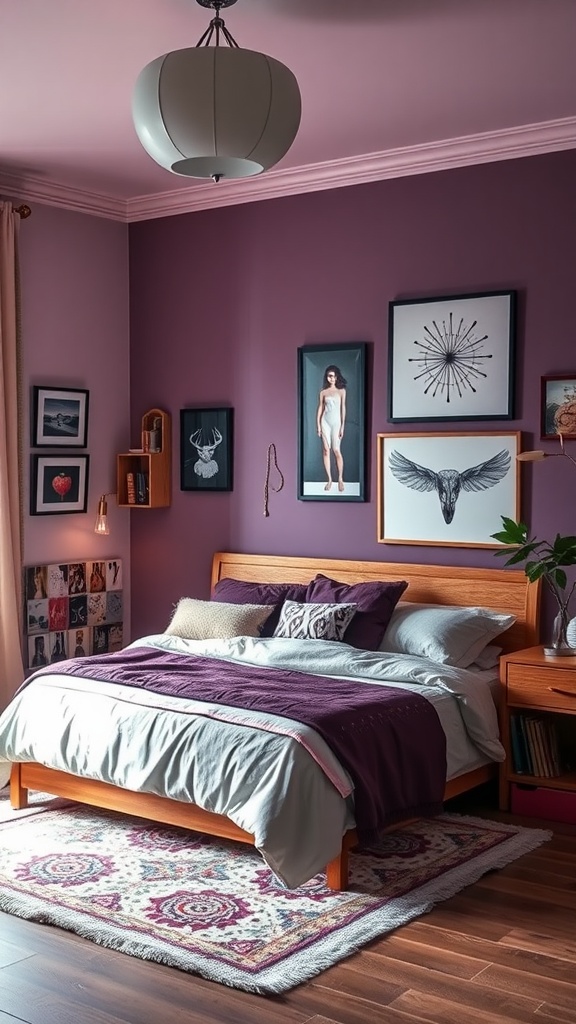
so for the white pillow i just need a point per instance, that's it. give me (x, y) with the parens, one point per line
(446, 634)
(212, 620)
(488, 658)
(312, 621)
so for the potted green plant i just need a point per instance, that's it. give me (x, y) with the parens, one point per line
(544, 560)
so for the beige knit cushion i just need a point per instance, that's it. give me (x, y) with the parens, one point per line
(212, 620)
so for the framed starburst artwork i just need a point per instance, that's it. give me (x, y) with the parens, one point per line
(452, 358)
(447, 488)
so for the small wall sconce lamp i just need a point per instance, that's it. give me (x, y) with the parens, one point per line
(101, 525)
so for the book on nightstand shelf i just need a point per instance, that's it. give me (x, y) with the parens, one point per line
(520, 756)
(535, 747)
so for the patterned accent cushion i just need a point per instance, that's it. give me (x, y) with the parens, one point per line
(208, 620)
(375, 602)
(447, 634)
(242, 592)
(314, 621)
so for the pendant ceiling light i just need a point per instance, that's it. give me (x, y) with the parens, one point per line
(216, 111)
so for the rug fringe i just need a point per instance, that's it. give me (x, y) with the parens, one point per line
(107, 937)
(307, 962)
(422, 900)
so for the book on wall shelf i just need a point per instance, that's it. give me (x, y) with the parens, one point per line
(131, 488)
(142, 488)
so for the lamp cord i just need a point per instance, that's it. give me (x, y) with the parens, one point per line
(271, 457)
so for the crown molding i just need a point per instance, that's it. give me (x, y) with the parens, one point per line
(526, 140)
(487, 147)
(39, 190)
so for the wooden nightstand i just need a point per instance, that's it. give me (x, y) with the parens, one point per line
(536, 686)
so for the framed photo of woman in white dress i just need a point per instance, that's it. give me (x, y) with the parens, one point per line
(332, 422)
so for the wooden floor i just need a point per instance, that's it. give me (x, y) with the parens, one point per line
(503, 950)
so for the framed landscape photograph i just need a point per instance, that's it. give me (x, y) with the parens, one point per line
(558, 406)
(206, 449)
(452, 358)
(331, 422)
(58, 484)
(449, 489)
(60, 417)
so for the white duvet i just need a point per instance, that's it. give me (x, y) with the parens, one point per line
(274, 778)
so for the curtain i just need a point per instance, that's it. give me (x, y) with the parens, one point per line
(11, 668)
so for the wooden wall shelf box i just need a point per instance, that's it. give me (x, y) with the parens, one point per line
(144, 478)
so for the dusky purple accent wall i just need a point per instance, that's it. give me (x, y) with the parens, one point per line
(222, 299)
(75, 334)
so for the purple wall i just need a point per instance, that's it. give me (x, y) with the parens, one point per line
(221, 300)
(75, 334)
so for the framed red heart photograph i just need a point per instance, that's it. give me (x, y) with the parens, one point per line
(58, 484)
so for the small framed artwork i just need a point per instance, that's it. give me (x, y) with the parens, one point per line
(78, 642)
(78, 611)
(38, 651)
(114, 575)
(558, 406)
(449, 489)
(452, 358)
(107, 639)
(206, 449)
(59, 484)
(60, 417)
(58, 645)
(36, 582)
(331, 422)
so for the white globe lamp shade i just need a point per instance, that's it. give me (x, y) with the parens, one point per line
(214, 111)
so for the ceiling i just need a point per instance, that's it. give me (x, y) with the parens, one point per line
(389, 87)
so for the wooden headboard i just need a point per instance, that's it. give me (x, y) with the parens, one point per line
(504, 590)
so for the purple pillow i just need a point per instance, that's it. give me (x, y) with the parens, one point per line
(375, 602)
(241, 592)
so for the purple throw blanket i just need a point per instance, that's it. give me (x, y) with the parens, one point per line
(389, 740)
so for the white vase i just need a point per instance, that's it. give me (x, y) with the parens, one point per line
(571, 632)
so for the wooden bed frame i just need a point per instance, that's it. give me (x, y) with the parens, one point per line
(500, 589)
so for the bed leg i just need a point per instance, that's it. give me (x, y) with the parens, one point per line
(18, 792)
(337, 872)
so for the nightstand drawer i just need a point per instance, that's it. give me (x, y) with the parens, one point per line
(542, 688)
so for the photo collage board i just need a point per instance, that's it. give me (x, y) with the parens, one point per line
(72, 609)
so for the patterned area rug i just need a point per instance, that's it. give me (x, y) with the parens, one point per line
(213, 907)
